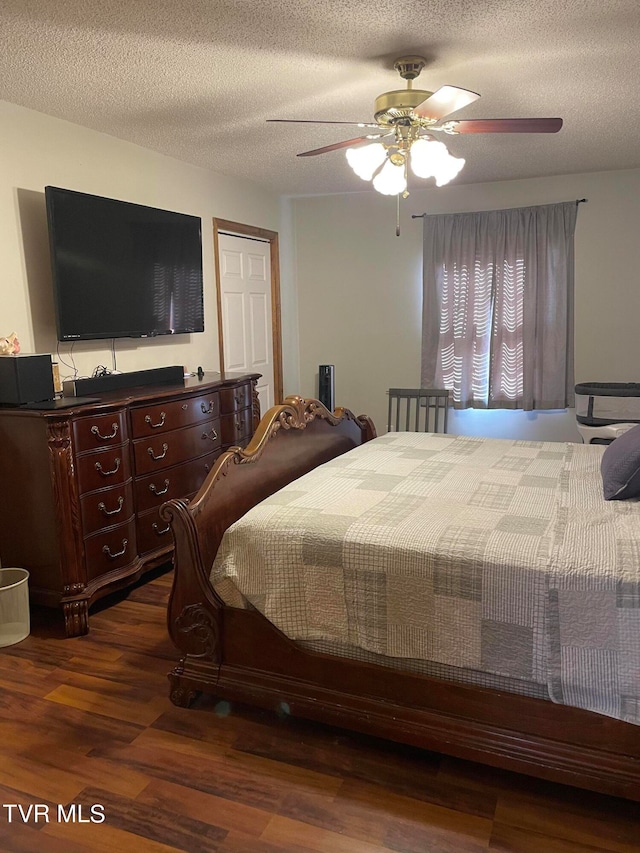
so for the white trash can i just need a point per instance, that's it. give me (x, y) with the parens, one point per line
(14, 606)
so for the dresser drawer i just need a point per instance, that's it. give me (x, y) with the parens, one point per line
(110, 549)
(153, 532)
(151, 420)
(153, 490)
(95, 431)
(106, 507)
(161, 451)
(232, 399)
(236, 427)
(103, 468)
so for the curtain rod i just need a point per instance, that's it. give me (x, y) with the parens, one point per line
(422, 215)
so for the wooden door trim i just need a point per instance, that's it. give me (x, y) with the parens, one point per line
(241, 230)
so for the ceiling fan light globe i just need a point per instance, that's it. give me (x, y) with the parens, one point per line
(390, 180)
(444, 177)
(425, 154)
(365, 159)
(431, 159)
(448, 169)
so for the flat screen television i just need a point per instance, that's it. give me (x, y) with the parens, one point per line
(123, 270)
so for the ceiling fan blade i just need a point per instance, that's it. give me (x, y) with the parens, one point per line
(337, 145)
(508, 125)
(446, 100)
(312, 121)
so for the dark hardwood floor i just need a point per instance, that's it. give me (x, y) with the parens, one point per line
(88, 721)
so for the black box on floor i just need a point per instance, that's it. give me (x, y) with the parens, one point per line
(25, 378)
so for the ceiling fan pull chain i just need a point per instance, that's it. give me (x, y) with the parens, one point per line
(398, 215)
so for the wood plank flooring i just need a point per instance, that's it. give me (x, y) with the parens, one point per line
(88, 721)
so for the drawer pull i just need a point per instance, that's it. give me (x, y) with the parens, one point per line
(206, 410)
(184, 407)
(104, 473)
(95, 430)
(165, 447)
(160, 423)
(159, 532)
(212, 434)
(103, 508)
(106, 550)
(153, 488)
(237, 422)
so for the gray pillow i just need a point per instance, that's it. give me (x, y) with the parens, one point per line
(620, 467)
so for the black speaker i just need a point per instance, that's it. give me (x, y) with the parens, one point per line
(326, 386)
(25, 379)
(115, 381)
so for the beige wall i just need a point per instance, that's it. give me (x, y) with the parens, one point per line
(351, 291)
(359, 290)
(37, 150)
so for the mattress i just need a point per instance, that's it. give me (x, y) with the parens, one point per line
(479, 556)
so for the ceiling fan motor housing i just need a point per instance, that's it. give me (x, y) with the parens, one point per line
(390, 107)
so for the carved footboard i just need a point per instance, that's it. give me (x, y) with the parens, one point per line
(291, 439)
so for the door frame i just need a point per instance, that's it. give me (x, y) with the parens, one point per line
(271, 237)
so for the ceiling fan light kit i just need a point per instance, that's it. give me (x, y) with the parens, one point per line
(406, 120)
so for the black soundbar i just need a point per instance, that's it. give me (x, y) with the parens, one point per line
(114, 381)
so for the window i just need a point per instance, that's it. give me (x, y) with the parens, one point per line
(498, 307)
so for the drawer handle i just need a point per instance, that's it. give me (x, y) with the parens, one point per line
(106, 550)
(237, 422)
(103, 508)
(95, 430)
(153, 488)
(160, 423)
(165, 447)
(206, 410)
(212, 434)
(104, 473)
(159, 532)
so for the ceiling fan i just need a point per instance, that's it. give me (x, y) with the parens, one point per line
(405, 121)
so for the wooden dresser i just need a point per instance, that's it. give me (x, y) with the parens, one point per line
(81, 487)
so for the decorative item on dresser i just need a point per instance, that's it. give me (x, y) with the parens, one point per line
(82, 486)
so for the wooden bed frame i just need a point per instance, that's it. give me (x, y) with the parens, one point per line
(238, 655)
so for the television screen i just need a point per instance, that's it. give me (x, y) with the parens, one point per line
(123, 270)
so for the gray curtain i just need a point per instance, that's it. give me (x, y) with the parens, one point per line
(497, 326)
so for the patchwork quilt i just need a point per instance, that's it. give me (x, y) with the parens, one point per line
(493, 555)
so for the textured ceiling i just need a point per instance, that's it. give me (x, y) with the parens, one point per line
(196, 79)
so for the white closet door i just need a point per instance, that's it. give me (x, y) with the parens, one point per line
(245, 298)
